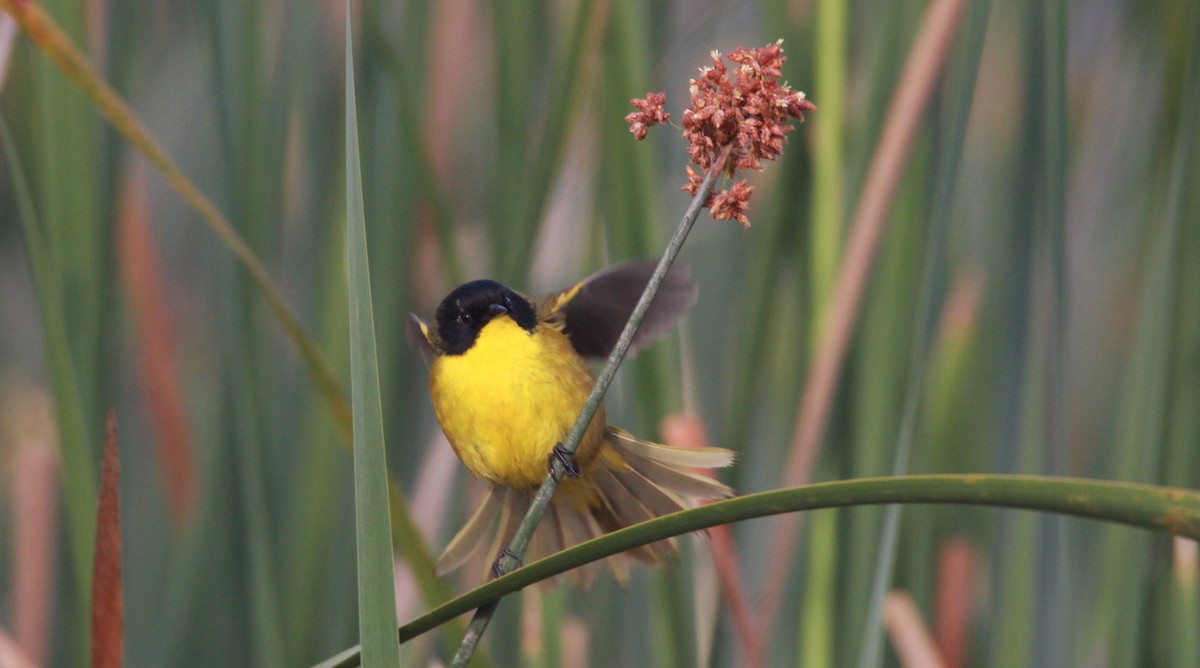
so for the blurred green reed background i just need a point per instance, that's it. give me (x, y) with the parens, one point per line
(1050, 202)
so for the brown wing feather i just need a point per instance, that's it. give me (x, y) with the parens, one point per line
(594, 311)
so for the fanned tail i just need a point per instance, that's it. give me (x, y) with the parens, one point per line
(630, 481)
(469, 539)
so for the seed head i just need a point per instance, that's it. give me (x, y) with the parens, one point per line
(747, 109)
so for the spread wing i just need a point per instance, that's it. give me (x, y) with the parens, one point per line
(594, 311)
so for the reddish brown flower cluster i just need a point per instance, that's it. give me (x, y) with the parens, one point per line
(748, 113)
(650, 114)
(729, 204)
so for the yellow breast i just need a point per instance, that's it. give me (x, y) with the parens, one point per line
(510, 398)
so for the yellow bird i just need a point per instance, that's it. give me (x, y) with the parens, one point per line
(508, 376)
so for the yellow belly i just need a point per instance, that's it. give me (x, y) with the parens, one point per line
(510, 398)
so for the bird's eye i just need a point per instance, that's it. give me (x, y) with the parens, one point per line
(464, 319)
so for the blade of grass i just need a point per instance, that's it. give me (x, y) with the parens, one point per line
(817, 623)
(1053, 219)
(46, 34)
(517, 62)
(406, 536)
(1180, 461)
(1117, 619)
(35, 525)
(957, 573)
(913, 643)
(251, 158)
(79, 479)
(563, 100)
(42, 30)
(12, 654)
(107, 599)
(1185, 604)
(1022, 406)
(1142, 416)
(1016, 567)
(1182, 468)
(879, 368)
(8, 40)
(828, 192)
(912, 94)
(687, 430)
(376, 581)
(961, 93)
(627, 193)
(1172, 510)
(317, 499)
(767, 288)
(428, 185)
(758, 298)
(1144, 410)
(158, 368)
(1052, 639)
(245, 423)
(67, 185)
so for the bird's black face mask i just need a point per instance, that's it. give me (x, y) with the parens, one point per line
(465, 311)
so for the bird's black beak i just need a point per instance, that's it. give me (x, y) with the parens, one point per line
(497, 309)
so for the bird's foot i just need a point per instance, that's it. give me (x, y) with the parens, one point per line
(506, 562)
(567, 459)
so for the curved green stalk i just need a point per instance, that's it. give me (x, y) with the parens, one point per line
(1169, 509)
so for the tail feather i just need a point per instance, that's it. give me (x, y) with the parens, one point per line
(575, 531)
(619, 564)
(628, 509)
(473, 534)
(516, 504)
(611, 518)
(631, 482)
(678, 481)
(547, 540)
(706, 458)
(653, 498)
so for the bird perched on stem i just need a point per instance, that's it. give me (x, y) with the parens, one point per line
(508, 376)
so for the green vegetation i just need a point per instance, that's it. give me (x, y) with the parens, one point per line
(1029, 305)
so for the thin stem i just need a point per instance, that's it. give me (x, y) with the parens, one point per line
(541, 500)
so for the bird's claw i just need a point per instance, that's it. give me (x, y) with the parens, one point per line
(567, 459)
(499, 567)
